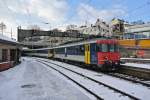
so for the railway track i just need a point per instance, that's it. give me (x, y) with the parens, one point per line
(134, 79)
(130, 78)
(127, 77)
(110, 88)
(141, 73)
(89, 91)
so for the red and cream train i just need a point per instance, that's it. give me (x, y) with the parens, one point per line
(104, 53)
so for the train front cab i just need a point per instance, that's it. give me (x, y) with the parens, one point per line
(103, 53)
(108, 54)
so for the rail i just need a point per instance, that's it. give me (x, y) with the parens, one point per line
(92, 79)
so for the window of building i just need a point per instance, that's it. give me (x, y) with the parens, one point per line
(0, 55)
(4, 55)
(12, 54)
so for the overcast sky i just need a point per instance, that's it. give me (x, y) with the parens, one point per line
(59, 13)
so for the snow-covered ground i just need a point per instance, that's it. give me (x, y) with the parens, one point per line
(100, 90)
(31, 81)
(145, 66)
(128, 87)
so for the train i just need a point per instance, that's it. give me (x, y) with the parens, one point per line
(10, 53)
(102, 53)
(135, 48)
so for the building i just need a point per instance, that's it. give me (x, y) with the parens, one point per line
(99, 28)
(117, 26)
(136, 39)
(9, 52)
(141, 31)
(40, 38)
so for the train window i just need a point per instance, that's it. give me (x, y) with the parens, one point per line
(70, 50)
(50, 50)
(81, 50)
(112, 48)
(99, 48)
(41, 51)
(77, 50)
(104, 48)
(116, 48)
(95, 48)
(59, 50)
(4, 55)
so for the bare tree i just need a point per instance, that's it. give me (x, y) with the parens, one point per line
(34, 27)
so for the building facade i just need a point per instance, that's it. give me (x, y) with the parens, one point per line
(137, 31)
(136, 39)
(99, 28)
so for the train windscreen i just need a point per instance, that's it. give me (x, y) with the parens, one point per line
(102, 47)
(107, 48)
(117, 48)
(113, 48)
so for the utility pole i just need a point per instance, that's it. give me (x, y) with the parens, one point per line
(11, 33)
(2, 26)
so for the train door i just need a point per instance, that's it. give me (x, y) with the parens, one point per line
(50, 53)
(93, 53)
(87, 53)
(65, 52)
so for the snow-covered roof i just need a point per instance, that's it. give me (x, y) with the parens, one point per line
(6, 39)
(2, 37)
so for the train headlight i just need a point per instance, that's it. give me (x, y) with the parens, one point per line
(106, 58)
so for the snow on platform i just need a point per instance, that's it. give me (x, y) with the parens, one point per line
(31, 81)
(136, 59)
(136, 65)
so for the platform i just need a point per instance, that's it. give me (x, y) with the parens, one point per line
(138, 65)
(31, 81)
(137, 70)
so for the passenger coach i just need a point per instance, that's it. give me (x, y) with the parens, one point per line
(104, 53)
